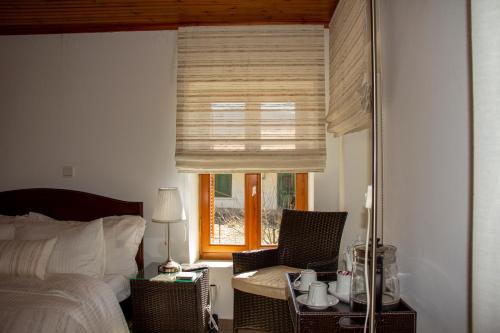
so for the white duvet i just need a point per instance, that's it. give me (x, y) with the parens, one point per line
(62, 303)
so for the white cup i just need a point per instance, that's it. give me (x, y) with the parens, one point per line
(343, 284)
(305, 278)
(317, 294)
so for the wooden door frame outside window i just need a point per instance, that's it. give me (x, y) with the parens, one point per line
(252, 214)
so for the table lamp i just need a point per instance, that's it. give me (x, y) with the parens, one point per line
(168, 209)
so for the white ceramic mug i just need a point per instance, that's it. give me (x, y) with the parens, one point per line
(317, 294)
(305, 278)
(343, 284)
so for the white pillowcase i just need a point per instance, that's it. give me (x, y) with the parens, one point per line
(7, 231)
(25, 257)
(8, 219)
(122, 237)
(79, 249)
(120, 285)
(7, 228)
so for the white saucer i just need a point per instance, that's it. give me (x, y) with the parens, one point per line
(300, 290)
(332, 300)
(332, 289)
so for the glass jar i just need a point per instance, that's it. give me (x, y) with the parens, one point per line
(386, 283)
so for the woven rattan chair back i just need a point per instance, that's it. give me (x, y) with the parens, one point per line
(310, 237)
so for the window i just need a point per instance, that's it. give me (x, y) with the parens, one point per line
(243, 211)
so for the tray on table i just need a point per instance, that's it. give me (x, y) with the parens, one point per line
(339, 318)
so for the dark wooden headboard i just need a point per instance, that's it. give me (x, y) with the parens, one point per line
(71, 205)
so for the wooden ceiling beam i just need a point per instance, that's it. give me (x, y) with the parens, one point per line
(71, 16)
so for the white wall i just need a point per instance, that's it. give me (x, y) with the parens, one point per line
(357, 176)
(103, 103)
(427, 142)
(221, 273)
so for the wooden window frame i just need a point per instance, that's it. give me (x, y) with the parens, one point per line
(252, 215)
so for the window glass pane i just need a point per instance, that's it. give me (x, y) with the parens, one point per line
(223, 186)
(228, 223)
(285, 190)
(278, 193)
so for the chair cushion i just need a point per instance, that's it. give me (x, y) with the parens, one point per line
(268, 282)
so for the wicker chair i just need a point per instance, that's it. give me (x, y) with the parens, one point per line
(306, 240)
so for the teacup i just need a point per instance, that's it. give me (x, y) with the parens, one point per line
(305, 278)
(318, 295)
(343, 282)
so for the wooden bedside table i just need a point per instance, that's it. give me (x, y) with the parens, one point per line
(160, 306)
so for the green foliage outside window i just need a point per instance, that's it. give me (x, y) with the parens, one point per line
(223, 185)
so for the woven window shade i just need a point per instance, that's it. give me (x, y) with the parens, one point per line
(250, 99)
(350, 68)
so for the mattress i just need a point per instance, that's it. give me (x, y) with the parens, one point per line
(119, 284)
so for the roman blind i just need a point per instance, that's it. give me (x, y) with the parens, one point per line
(350, 68)
(250, 99)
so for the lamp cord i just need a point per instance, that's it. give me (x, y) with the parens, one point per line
(381, 192)
(368, 303)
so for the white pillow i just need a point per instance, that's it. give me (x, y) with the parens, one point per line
(7, 231)
(8, 219)
(7, 228)
(80, 245)
(25, 257)
(122, 237)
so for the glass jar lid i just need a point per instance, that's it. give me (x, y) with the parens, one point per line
(388, 252)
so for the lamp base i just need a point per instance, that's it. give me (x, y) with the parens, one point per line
(169, 266)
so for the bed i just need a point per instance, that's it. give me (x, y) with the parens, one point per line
(72, 302)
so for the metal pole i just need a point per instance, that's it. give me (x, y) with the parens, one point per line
(373, 232)
(168, 247)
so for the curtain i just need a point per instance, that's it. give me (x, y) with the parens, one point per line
(250, 99)
(485, 17)
(350, 68)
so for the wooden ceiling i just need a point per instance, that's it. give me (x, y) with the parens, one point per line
(67, 16)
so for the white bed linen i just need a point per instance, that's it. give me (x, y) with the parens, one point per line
(80, 247)
(122, 237)
(70, 303)
(119, 284)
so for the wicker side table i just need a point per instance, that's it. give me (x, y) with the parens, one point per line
(169, 306)
(336, 319)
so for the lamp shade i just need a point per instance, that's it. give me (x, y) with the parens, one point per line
(168, 208)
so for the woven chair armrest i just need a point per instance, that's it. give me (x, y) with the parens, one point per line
(324, 266)
(251, 260)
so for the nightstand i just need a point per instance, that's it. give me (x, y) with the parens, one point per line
(340, 318)
(160, 306)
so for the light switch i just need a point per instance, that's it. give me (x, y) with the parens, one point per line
(68, 171)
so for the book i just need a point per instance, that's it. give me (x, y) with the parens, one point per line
(193, 267)
(186, 276)
(164, 278)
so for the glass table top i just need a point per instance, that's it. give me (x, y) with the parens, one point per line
(150, 273)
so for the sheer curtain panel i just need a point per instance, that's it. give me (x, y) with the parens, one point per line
(350, 68)
(250, 99)
(485, 18)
